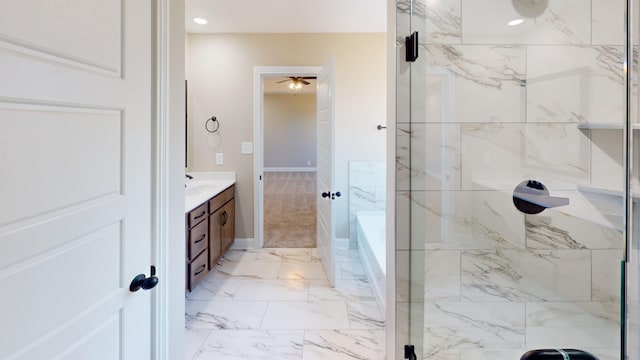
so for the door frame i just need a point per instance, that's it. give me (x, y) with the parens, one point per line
(259, 74)
(167, 176)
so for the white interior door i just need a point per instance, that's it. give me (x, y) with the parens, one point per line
(325, 187)
(75, 185)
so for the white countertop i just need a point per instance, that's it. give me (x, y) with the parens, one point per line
(204, 186)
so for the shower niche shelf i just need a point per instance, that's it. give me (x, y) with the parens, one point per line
(600, 190)
(606, 157)
(606, 126)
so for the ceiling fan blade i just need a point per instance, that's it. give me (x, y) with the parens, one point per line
(278, 82)
(308, 77)
(304, 82)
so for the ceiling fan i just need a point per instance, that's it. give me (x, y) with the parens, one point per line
(297, 81)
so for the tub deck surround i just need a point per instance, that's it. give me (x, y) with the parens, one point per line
(204, 186)
(367, 191)
(372, 249)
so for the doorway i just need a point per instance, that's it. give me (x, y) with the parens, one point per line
(284, 190)
(289, 138)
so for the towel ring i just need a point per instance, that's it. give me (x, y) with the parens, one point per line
(216, 124)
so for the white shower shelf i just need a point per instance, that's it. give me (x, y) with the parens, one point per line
(606, 126)
(635, 192)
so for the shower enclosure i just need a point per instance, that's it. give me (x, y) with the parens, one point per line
(506, 93)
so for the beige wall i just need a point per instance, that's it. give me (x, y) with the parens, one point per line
(289, 130)
(220, 74)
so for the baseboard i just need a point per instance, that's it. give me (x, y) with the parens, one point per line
(290, 169)
(244, 244)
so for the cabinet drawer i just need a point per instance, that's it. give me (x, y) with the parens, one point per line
(198, 214)
(222, 198)
(198, 239)
(198, 269)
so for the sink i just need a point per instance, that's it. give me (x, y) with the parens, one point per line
(204, 186)
(201, 188)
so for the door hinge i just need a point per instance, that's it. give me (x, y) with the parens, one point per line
(409, 352)
(411, 44)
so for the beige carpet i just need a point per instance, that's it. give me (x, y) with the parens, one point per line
(290, 209)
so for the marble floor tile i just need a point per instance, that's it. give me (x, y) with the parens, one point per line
(290, 255)
(221, 315)
(277, 290)
(212, 288)
(277, 304)
(343, 345)
(488, 354)
(306, 270)
(251, 255)
(247, 270)
(270, 254)
(345, 290)
(193, 342)
(252, 344)
(365, 315)
(306, 315)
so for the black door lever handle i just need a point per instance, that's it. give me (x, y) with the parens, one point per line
(333, 196)
(141, 281)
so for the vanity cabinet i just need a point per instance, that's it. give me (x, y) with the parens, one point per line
(197, 244)
(221, 224)
(210, 232)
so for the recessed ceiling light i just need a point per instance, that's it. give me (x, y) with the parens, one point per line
(515, 22)
(200, 21)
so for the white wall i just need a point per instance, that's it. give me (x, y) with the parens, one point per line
(289, 130)
(220, 74)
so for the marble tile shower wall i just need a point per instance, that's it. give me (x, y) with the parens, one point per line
(367, 191)
(497, 105)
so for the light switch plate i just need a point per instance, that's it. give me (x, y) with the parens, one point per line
(219, 159)
(247, 148)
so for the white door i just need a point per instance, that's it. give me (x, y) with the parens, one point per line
(75, 90)
(325, 187)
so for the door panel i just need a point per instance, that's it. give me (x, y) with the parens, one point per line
(325, 163)
(78, 37)
(75, 153)
(95, 155)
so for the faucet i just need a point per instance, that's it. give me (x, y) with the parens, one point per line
(188, 176)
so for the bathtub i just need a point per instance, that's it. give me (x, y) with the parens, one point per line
(371, 235)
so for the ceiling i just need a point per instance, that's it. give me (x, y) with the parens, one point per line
(287, 16)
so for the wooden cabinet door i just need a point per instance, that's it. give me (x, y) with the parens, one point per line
(215, 241)
(228, 224)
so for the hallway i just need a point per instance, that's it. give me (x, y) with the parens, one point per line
(277, 304)
(290, 209)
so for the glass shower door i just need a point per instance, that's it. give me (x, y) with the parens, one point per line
(511, 131)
